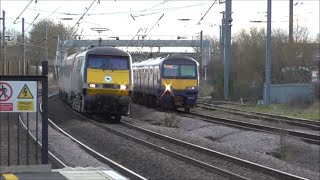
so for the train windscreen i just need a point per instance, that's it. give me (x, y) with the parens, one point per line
(187, 71)
(108, 62)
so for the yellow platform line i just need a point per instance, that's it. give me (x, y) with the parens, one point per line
(10, 177)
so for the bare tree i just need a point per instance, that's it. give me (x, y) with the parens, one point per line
(37, 37)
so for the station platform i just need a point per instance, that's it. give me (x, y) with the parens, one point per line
(68, 173)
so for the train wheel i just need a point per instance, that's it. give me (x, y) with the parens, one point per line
(186, 110)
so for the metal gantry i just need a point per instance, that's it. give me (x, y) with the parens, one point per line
(204, 45)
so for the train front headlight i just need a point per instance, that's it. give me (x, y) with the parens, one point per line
(92, 85)
(168, 88)
(191, 88)
(123, 87)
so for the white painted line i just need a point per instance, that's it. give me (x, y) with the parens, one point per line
(114, 175)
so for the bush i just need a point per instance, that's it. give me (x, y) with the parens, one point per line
(205, 89)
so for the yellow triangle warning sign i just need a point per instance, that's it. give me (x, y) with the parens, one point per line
(25, 93)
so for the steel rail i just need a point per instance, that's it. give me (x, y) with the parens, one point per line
(52, 157)
(254, 115)
(281, 117)
(311, 138)
(261, 168)
(210, 152)
(239, 161)
(59, 163)
(100, 157)
(123, 170)
(179, 156)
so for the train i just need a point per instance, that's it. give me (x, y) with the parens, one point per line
(98, 80)
(167, 82)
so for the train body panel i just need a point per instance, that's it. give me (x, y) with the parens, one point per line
(98, 80)
(172, 82)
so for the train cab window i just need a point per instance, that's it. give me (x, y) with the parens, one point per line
(108, 62)
(183, 71)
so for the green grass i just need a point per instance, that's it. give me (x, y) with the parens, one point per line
(309, 112)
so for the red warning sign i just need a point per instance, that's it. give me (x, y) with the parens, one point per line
(6, 107)
(5, 91)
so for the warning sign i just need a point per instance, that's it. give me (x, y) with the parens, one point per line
(6, 107)
(25, 106)
(18, 96)
(5, 91)
(25, 93)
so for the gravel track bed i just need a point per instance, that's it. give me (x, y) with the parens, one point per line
(255, 120)
(63, 147)
(142, 160)
(301, 158)
(194, 154)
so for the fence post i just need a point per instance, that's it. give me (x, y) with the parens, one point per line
(45, 112)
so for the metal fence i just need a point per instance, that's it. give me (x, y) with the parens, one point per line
(18, 126)
(292, 93)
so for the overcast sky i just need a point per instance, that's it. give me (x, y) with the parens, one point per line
(117, 16)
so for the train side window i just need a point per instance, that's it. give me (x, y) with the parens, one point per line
(158, 75)
(139, 73)
(67, 70)
(154, 73)
(134, 74)
(79, 64)
(61, 71)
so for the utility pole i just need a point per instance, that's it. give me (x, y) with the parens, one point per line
(227, 50)
(23, 49)
(4, 42)
(268, 57)
(1, 44)
(46, 41)
(201, 54)
(222, 37)
(290, 22)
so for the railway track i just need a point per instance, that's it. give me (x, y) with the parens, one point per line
(173, 153)
(312, 124)
(308, 137)
(209, 152)
(121, 169)
(121, 131)
(54, 159)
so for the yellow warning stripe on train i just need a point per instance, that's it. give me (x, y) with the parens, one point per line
(118, 92)
(10, 177)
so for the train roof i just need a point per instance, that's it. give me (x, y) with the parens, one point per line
(159, 60)
(107, 50)
(100, 50)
